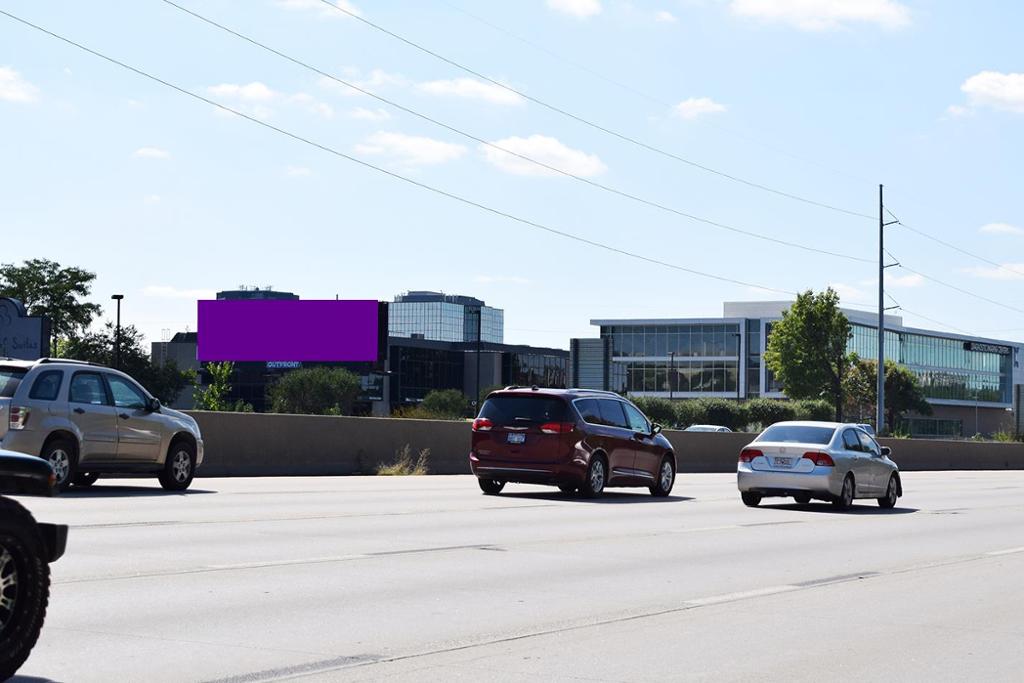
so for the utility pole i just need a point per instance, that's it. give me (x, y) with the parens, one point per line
(479, 347)
(880, 396)
(117, 332)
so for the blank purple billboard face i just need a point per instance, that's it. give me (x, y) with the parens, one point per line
(296, 330)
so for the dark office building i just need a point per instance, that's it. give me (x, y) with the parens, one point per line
(256, 294)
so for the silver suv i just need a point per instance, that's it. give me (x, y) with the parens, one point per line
(88, 420)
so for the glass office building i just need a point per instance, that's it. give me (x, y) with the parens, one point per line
(444, 317)
(723, 357)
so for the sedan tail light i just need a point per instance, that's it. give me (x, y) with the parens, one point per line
(557, 427)
(482, 424)
(748, 454)
(820, 459)
(19, 418)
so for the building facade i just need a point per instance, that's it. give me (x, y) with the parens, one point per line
(436, 316)
(969, 381)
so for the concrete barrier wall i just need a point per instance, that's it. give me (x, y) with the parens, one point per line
(247, 444)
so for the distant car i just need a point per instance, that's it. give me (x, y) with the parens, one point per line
(87, 420)
(707, 428)
(27, 549)
(571, 438)
(820, 460)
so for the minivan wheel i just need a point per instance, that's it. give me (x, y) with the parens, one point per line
(60, 453)
(85, 479)
(666, 479)
(888, 502)
(24, 586)
(597, 475)
(491, 487)
(180, 467)
(750, 499)
(845, 498)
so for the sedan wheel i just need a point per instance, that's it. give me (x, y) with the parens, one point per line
(888, 502)
(845, 499)
(751, 499)
(802, 498)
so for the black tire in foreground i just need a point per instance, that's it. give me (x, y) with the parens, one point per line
(24, 585)
(750, 499)
(491, 487)
(180, 467)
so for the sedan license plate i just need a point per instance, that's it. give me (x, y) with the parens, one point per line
(783, 462)
(517, 438)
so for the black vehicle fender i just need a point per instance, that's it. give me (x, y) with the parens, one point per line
(55, 537)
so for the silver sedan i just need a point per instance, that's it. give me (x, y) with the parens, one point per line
(823, 460)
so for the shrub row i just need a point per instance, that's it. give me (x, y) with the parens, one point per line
(752, 415)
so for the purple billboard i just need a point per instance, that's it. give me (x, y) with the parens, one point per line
(296, 330)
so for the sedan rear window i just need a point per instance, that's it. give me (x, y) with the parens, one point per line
(523, 409)
(10, 378)
(797, 434)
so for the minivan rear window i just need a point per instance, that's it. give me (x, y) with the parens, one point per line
(523, 409)
(10, 378)
(797, 434)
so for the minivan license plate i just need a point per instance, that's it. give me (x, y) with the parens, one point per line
(783, 462)
(517, 438)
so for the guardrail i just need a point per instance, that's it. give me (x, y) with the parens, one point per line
(257, 444)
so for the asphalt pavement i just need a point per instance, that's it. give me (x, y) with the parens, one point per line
(426, 579)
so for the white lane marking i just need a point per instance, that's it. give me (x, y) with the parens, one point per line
(282, 563)
(1009, 551)
(706, 528)
(730, 597)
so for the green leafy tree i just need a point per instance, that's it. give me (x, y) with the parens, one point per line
(47, 288)
(807, 349)
(767, 411)
(859, 388)
(315, 391)
(214, 396)
(445, 404)
(902, 391)
(166, 382)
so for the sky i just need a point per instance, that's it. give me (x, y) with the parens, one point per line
(169, 199)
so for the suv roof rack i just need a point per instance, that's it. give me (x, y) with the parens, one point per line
(594, 391)
(70, 361)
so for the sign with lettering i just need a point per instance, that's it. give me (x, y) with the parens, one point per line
(22, 337)
(985, 347)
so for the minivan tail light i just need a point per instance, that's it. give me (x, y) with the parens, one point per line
(482, 424)
(748, 454)
(19, 418)
(557, 427)
(820, 459)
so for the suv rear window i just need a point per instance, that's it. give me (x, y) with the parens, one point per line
(797, 434)
(10, 378)
(523, 409)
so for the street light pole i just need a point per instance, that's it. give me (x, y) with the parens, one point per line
(671, 373)
(739, 364)
(117, 332)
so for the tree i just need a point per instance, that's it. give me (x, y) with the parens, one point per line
(860, 387)
(163, 381)
(48, 289)
(445, 404)
(315, 391)
(807, 349)
(902, 391)
(214, 396)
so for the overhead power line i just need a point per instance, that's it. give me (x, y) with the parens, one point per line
(397, 176)
(596, 126)
(961, 290)
(528, 159)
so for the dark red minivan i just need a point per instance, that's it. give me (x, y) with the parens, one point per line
(575, 439)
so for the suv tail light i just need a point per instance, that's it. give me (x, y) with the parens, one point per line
(820, 459)
(482, 424)
(557, 427)
(19, 418)
(748, 454)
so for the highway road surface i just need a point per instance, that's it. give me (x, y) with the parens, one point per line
(426, 579)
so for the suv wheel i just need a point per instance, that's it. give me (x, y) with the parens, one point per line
(666, 479)
(180, 467)
(491, 487)
(24, 586)
(597, 475)
(60, 453)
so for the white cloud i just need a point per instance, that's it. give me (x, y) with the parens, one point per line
(847, 292)
(665, 17)
(251, 92)
(545, 149)
(312, 105)
(694, 107)
(502, 279)
(825, 15)
(997, 90)
(410, 150)
(363, 114)
(1008, 271)
(957, 111)
(152, 153)
(168, 292)
(256, 99)
(576, 8)
(14, 88)
(909, 280)
(152, 199)
(297, 171)
(376, 79)
(471, 88)
(320, 7)
(1001, 229)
